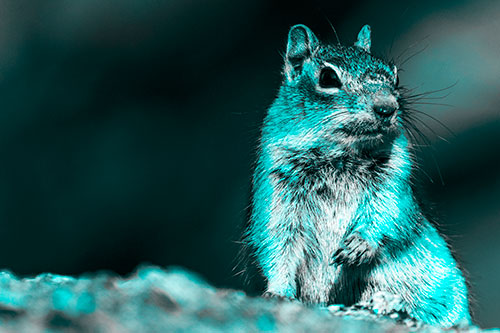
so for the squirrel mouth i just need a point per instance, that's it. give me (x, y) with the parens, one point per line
(369, 137)
(365, 132)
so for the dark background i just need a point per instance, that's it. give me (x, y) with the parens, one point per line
(128, 128)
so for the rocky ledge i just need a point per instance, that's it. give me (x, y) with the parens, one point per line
(175, 300)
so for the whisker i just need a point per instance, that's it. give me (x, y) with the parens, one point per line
(436, 120)
(413, 55)
(420, 134)
(416, 160)
(430, 103)
(428, 98)
(395, 30)
(414, 118)
(426, 93)
(412, 46)
(333, 28)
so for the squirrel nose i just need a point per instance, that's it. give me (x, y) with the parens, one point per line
(384, 111)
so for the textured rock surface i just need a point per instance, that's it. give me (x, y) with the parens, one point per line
(153, 299)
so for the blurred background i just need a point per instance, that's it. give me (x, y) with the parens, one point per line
(128, 128)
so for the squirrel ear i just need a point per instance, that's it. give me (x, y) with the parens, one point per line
(364, 38)
(301, 44)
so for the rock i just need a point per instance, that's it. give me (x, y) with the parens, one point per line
(173, 299)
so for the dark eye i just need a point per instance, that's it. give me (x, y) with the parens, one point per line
(329, 79)
(397, 81)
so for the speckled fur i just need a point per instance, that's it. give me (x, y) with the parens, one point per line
(334, 219)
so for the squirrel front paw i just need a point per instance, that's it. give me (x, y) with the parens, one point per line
(354, 251)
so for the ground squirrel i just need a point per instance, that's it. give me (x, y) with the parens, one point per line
(334, 218)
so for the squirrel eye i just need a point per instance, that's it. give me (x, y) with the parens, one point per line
(329, 79)
(397, 81)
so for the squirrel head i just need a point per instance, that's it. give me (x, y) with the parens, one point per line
(335, 96)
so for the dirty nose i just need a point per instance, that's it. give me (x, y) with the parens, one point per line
(384, 111)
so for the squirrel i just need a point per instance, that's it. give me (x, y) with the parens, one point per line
(334, 217)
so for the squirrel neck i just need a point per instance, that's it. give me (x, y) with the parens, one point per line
(387, 163)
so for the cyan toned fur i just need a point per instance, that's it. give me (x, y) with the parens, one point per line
(334, 217)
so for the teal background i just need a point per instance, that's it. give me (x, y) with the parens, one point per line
(128, 128)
